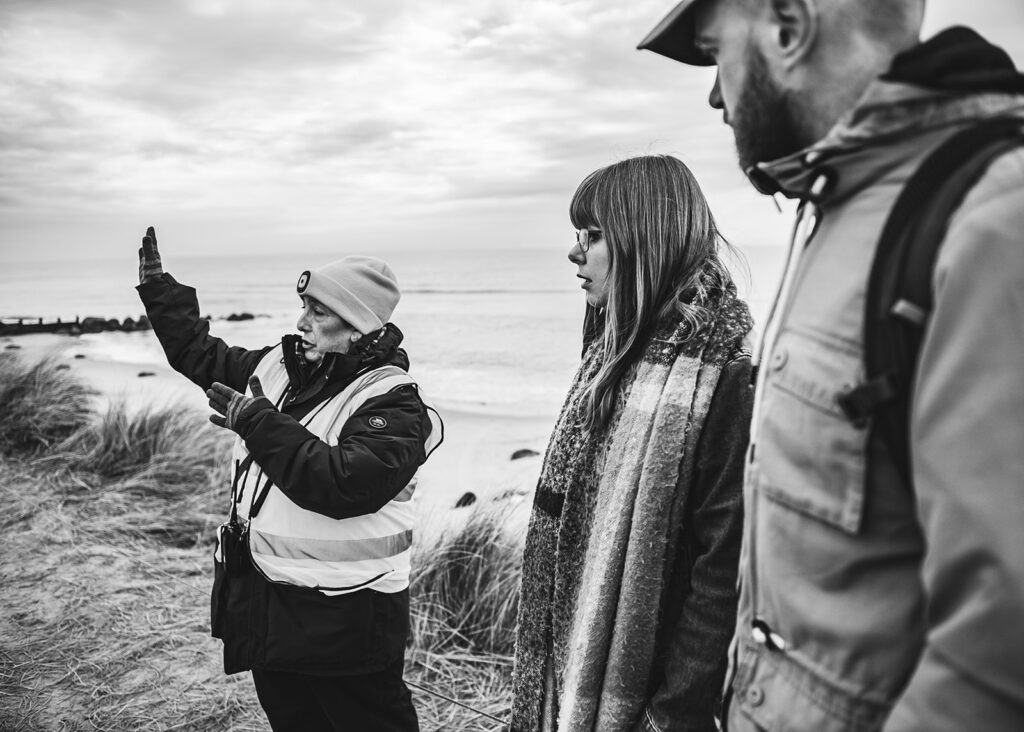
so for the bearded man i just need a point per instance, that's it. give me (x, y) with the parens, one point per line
(873, 598)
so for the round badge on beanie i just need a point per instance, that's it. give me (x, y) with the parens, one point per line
(362, 290)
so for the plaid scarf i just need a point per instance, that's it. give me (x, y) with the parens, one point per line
(607, 512)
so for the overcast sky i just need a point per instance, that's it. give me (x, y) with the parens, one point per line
(251, 125)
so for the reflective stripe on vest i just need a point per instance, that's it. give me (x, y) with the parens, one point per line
(292, 545)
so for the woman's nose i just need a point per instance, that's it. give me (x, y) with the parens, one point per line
(301, 323)
(577, 255)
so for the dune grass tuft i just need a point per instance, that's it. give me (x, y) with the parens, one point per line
(465, 587)
(464, 596)
(163, 451)
(156, 473)
(41, 405)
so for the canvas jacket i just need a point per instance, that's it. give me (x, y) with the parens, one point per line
(867, 603)
(282, 627)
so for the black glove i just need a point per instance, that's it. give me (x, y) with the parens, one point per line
(150, 266)
(235, 410)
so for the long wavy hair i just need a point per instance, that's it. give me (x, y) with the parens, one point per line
(664, 250)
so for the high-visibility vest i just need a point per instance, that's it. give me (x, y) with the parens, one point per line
(295, 546)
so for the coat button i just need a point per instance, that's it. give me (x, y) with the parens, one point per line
(759, 636)
(755, 696)
(779, 358)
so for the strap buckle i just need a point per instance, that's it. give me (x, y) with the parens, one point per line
(910, 311)
(861, 402)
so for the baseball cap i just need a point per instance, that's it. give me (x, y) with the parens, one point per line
(673, 37)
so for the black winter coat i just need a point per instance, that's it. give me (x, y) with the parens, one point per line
(278, 626)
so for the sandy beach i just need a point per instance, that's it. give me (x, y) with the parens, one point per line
(475, 456)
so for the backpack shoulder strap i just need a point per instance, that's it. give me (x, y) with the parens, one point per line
(899, 292)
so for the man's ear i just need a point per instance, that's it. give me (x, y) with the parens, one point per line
(794, 29)
(356, 335)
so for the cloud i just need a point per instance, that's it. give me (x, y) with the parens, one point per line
(174, 98)
(322, 118)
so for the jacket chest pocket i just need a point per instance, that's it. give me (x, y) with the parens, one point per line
(811, 457)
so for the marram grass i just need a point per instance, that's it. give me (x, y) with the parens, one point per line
(104, 619)
(40, 405)
(465, 588)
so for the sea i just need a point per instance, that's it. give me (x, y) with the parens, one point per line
(494, 330)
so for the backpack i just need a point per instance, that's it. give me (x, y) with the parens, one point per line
(899, 293)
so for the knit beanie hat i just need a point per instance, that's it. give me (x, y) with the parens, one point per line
(362, 290)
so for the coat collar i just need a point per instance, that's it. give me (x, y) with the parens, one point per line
(308, 380)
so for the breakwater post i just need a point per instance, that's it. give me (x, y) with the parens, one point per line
(12, 326)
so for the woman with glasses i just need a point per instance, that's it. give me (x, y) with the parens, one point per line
(629, 573)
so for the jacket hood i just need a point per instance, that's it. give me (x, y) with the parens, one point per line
(957, 59)
(954, 78)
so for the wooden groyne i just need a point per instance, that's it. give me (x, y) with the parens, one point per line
(25, 326)
(12, 326)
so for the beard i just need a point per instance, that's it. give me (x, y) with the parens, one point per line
(766, 122)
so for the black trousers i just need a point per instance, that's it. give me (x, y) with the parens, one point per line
(376, 702)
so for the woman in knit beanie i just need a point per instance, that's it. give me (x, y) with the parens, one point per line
(628, 594)
(311, 570)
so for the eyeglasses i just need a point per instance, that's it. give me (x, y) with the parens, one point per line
(586, 237)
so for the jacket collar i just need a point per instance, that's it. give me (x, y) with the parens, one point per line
(307, 380)
(955, 78)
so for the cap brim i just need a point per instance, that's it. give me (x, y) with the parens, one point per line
(673, 37)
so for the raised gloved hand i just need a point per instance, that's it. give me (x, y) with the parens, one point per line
(234, 409)
(150, 266)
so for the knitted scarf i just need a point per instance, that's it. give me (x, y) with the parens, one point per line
(608, 510)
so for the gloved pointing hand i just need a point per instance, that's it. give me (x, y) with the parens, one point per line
(235, 409)
(150, 266)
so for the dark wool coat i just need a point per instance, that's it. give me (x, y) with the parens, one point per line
(695, 613)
